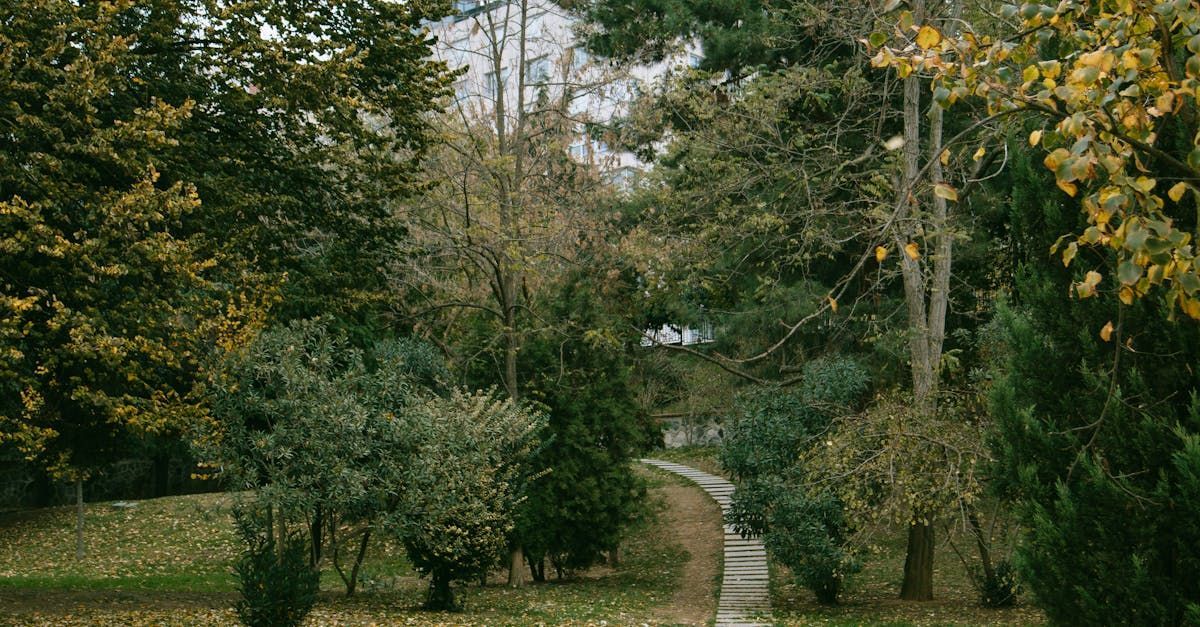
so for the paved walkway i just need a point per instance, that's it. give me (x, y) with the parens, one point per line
(745, 596)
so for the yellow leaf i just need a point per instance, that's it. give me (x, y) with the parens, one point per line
(1165, 103)
(945, 157)
(1068, 187)
(928, 37)
(1035, 137)
(912, 250)
(942, 190)
(1030, 74)
(979, 154)
(832, 303)
(1126, 295)
(881, 253)
(1191, 307)
(1106, 332)
(1176, 192)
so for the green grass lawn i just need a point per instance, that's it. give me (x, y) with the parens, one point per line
(169, 562)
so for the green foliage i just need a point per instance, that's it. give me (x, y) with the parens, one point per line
(802, 527)
(734, 34)
(276, 584)
(590, 497)
(462, 484)
(803, 524)
(767, 432)
(103, 292)
(1002, 588)
(300, 418)
(834, 381)
(1095, 440)
(318, 429)
(295, 126)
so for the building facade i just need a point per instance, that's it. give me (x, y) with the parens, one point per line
(517, 56)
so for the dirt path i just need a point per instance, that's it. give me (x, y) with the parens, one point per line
(695, 521)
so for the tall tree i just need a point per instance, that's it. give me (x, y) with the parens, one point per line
(915, 226)
(508, 206)
(104, 295)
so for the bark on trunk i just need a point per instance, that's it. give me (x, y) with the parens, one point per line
(315, 529)
(918, 565)
(441, 595)
(79, 548)
(516, 568)
(537, 568)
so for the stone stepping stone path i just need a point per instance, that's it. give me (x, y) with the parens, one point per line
(745, 595)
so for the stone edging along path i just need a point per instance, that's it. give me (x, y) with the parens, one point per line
(745, 595)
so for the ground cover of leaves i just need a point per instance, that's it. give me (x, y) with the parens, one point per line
(168, 562)
(873, 594)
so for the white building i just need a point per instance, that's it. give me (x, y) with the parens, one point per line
(518, 61)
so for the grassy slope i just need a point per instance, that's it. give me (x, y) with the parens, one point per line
(168, 561)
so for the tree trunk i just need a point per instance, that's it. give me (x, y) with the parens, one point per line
(352, 584)
(537, 568)
(79, 550)
(918, 565)
(315, 528)
(441, 595)
(985, 555)
(516, 568)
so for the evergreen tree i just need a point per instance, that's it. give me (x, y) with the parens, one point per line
(588, 499)
(1098, 436)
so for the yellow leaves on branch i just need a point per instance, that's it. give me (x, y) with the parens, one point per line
(1104, 100)
(928, 37)
(912, 250)
(881, 253)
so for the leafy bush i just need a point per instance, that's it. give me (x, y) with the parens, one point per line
(806, 532)
(457, 508)
(278, 587)
(766, 432)
(804, 529)
(1002, 588)
(834, 381)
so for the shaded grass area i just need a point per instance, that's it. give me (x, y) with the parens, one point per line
(168, 562)
(872, 597)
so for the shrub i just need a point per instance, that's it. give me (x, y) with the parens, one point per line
(277, 586)
(806, 532)
(1000, 589)
(458, 504)
(768, 428)
(834, 381)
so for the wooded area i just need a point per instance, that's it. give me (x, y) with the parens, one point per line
(946, 251)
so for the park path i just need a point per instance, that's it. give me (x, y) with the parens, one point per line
(745, 596)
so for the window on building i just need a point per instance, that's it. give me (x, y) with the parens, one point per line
(579, 150)
(460, 91)
(579, 57)
(460, 46)
(535, 25)
(537, 71)
(490, 80)
(622, 178)
(463, 6)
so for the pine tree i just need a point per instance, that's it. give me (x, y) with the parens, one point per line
(1098, 436)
